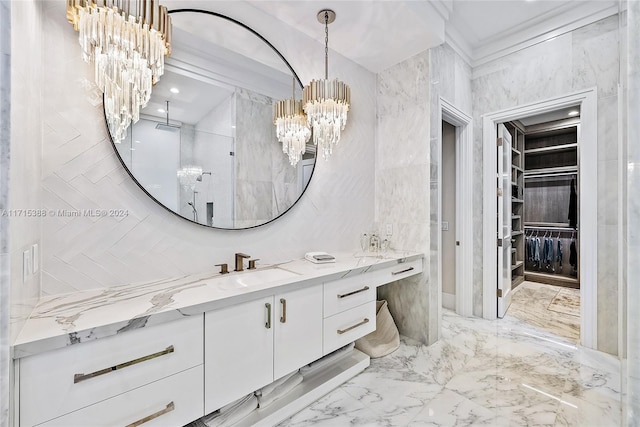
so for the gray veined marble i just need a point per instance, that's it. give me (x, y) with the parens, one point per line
(493, 373)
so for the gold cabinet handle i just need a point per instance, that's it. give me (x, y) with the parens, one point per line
(170, 407)
(268, 323)
(342, 331)
(366, 288)
(283, 318)
(401, 271)
(81, 377)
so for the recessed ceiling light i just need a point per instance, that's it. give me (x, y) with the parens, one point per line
(161, 110)
(233, 127)
(574, 112)
(174, 90)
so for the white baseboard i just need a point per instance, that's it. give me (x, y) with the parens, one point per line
(449, 301)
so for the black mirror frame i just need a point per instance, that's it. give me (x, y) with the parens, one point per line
(295, 75)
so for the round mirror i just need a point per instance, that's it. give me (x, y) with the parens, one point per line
(205, 146)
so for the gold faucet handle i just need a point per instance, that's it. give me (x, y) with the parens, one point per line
(243, 255)
(224, 269)
(252, 264)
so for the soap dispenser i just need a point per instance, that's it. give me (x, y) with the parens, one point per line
(374, 243)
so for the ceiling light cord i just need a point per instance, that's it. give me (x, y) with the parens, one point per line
(326, 45)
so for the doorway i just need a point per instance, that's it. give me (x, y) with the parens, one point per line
(495, 286)
(460, 129)
(448, 226)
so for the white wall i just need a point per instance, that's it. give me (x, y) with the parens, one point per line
(5, 141)
(81, 171)
(26, 145)
(584, 58)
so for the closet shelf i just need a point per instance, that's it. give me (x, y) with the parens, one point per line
(515, 151)
(563, 170)
(552, 149)
(515, 217)
(518, 264)
(516, 233)
(519, 169)
(514, 200)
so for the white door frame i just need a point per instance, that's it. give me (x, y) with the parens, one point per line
(464, 200)
(588, 207)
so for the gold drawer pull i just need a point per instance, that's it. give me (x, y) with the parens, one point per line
(393, 273)
(366, 288)
(268, 322)
(170, 407)
(342, 331)
(81, 377)
(283, 318)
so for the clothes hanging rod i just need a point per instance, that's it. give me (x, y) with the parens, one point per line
(550, 175)
(537, 227)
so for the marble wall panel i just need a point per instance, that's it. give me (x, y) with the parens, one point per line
(151, 243)
(403, 189)
(584, 58)
(631, 402)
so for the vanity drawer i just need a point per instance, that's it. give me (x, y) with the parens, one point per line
(64, 380)
(399, 271)
(172, 401)
(348, 326)
(343, 294)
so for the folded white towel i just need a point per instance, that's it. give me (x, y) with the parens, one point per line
(231, 406)
(233, 412)
(327, 360)
(280, 391)
(266, 390)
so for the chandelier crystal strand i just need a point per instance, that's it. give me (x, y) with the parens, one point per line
(127, 51)
(326, 102)
(292, 129)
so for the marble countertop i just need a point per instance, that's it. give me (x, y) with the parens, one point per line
(63, 320)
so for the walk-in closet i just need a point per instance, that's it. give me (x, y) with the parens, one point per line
(545, 262)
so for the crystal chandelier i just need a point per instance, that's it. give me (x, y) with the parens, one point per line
(326, 102)
(188, 175)
(292, 129)
(127, 41)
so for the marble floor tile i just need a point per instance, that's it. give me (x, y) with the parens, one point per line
(552, 308)
(449, 408)
(507, 372)
(567, 301)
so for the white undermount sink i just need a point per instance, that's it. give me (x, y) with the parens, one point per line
(251, 278)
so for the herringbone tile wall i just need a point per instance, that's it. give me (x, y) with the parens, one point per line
(80, 171)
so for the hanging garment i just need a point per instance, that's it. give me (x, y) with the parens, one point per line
(573, 255)
(573, 205)
(559, 253)
(536, 250)
(547, 251)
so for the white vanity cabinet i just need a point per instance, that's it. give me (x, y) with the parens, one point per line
(77, 383)
(251, 344)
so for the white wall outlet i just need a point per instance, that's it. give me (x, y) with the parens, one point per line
(389, 230)
(445, 225)
(35, 257)
(26, 265)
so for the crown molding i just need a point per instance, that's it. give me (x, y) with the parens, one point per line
(542, 29)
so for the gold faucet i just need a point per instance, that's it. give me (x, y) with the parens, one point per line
(239, 263)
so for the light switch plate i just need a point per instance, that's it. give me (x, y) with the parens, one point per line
(445, 225)
(35, 258)
(26, 265)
